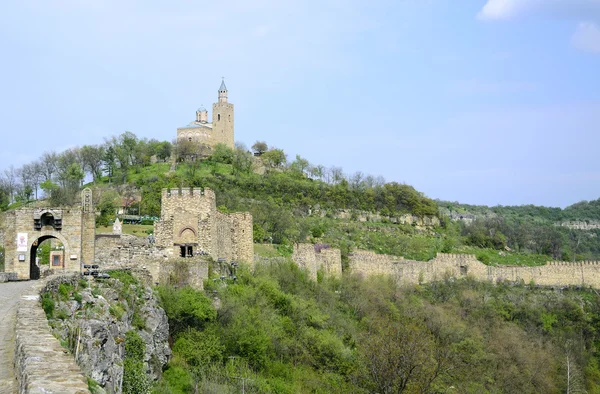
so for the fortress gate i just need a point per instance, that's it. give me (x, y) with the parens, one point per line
(24, 229)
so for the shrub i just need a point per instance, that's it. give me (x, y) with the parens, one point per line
(48, 305)
(134, 377)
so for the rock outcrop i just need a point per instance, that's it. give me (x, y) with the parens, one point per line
(92, 317)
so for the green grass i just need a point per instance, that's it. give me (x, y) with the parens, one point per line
(266, 250)
(494, 257)
(141, 230)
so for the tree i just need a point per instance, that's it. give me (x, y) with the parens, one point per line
(10, 182)
(92, 157)
(260, 147)
(274, 158)
(164, 150)
(49, 164)
(222, 154)
(397, 354)
(242, 160)
(300, 165)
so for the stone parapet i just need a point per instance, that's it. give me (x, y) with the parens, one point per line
(41, 364)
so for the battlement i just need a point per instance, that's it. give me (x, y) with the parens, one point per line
(456, 256)
(187, 192)
(573, 264)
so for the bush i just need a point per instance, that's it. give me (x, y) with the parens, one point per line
(48, 305)
(186, 307)
(135, 380)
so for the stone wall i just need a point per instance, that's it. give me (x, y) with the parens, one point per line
(580, 224)
(318, 257)
(70, 235)
(41, 364)
(75, 228)
(136, 253)
(460, 265)
(8, 277)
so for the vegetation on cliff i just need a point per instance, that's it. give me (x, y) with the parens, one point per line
(276, 331)
(114, 328)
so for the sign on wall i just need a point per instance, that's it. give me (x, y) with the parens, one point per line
(21, 242)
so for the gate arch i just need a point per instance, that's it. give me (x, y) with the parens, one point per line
(34, 269)
(26, 228)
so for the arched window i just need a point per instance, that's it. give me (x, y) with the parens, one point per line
(219, 117)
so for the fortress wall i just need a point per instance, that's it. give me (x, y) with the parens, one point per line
(446, 265)
(313, 259)
(331, 261)
(8, 244)
(181, 272)
(242, 237)
(370, 263)
(129, 251)
(224, 225)
(2, 228)
(70, 236)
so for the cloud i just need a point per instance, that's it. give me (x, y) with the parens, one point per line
(587, 37)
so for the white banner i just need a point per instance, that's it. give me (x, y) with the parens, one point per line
(21, 242)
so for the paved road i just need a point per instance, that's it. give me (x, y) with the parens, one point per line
(10, 293)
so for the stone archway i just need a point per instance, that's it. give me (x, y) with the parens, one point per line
(26, 228)
(34, 268)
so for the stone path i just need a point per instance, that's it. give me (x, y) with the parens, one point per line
(10, 294)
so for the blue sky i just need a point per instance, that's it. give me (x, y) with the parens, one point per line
(479, 101)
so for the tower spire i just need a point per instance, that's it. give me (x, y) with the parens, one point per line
(223, 91)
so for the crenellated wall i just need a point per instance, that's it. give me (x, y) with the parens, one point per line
(444, 265)
(189, 217)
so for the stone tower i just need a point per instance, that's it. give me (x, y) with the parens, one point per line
(222, 118)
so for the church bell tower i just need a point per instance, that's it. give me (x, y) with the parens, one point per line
(223, 118)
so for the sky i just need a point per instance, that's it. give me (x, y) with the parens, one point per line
(477, 101)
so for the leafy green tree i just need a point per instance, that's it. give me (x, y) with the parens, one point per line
(222, 154)
(242, 161)
(260, 147)
(186, 307)
(92, 157)
(274, 158)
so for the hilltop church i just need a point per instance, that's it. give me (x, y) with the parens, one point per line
(219, 131)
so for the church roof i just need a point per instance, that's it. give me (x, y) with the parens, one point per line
(196, 125)
(201, 109)
(223, 88)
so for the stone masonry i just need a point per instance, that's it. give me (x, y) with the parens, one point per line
(189, 219)
(24, 229)
(219, 131)
(367, 263)
(318, 257)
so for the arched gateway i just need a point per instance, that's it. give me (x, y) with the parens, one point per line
(24, 229)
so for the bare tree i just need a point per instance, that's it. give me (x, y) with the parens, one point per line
(10, 181)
